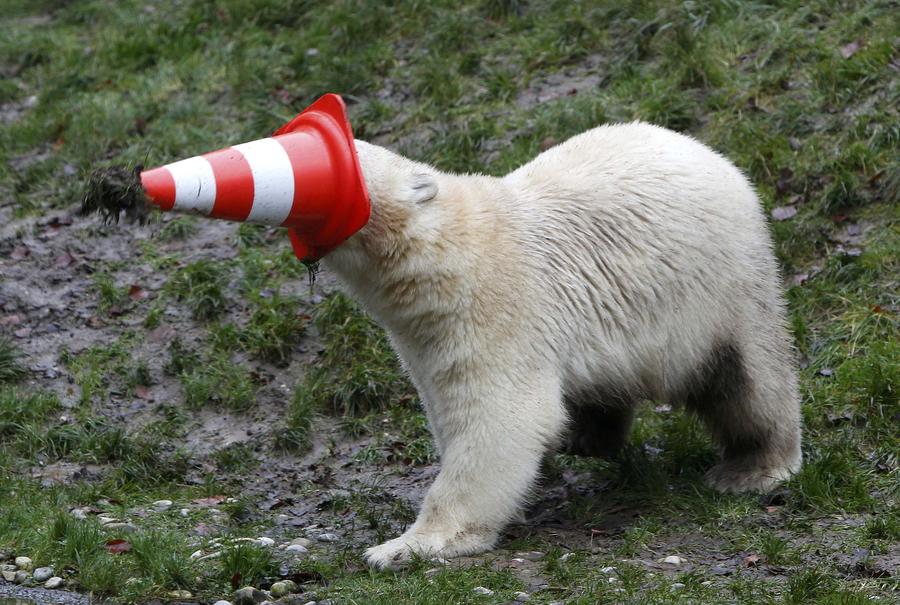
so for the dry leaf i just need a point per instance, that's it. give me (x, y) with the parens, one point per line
(117, 547)
(848, 50)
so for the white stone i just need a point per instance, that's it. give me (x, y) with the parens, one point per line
(673, 560)
(24, 563)
(612, 580)
(222, 602)
(265, 541)
(676, 586)
(297, 549)
(608, 570)
(482, 590)
(9, 576)
(162, 505)
(180, 594)
(567, 556)
(42, 574)
(327, 538)
(53, 583)
(184, 512)
(301, 541)
(521, 597)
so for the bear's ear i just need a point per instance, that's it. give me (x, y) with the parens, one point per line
(422, 188)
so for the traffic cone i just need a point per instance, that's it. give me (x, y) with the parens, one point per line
(305, 177)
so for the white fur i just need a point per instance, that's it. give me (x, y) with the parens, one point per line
(625, 261)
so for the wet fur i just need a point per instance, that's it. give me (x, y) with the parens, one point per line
(536, 309)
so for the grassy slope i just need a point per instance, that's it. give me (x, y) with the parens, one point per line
(766, 85)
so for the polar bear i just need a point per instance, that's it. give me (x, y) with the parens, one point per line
(627, 263)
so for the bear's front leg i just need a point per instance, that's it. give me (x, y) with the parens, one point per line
(493, 444)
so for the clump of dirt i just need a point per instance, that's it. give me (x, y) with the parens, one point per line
(115, 190)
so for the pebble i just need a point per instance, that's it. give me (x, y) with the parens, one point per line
(7, 567)
(42, 574)
(521, 597)
(674, 560)
(676, 587)
(612, 580)
(297, 548)
(530, 556)
(285, 587)
(327, 538)
(222, 602)
(608, 570)
(180, 594)
(265, 541)
(248, 596)
(567, 556)
(162, 505)
(24, 563)
(301, 542)
(54, 582)
(79, 513)
(482, 590)
(21, 577)
(706, 583)
(9, 576)
(184, 512)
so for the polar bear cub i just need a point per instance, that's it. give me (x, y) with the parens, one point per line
(537, 309)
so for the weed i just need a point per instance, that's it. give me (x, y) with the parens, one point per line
(358, 371)
(248, 562)
(221, 381)
(11, 368)
(274, 328)
(109, 294)
(179, 228)
(199, 284)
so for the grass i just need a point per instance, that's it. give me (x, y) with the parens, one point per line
(801, 96)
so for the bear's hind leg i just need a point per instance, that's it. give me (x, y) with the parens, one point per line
(749, 400)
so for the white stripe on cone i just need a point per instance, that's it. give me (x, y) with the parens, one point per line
(195, 185)
(273, 181)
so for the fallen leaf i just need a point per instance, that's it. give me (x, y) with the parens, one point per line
(117, 547)
(64, 260)
(848, 50)
(783, 213)
(143, 392)
(20, 252)
(135, 292)
(751, 560)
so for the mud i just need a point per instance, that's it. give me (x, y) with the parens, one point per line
(115, 191)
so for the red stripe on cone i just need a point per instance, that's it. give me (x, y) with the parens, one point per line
(234, 184)
(313, 195)
(159, 186)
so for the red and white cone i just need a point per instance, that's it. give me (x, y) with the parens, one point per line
(306, 177)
